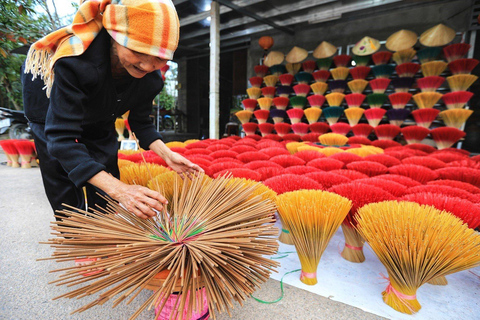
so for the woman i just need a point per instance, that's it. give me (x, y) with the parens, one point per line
(106, 63)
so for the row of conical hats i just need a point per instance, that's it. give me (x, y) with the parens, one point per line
(436, 36)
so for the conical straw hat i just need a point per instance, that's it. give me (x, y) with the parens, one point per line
(324, 50)
(296, 55)
(273, 58)
(366, 46)
(437, 36)
(401, 40)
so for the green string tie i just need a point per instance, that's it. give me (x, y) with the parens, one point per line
(281, 288)
(285, 230)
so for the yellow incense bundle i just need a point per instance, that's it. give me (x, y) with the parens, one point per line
(312, 114)
(254, 93)
(354, 115)
(319, 88)
(270, 81)
(141, 173)
(333, 139)
(357, 86)
(313, 217)
(433, 68)
(292, 147)
(120, 128)
(244, 116)
(328, 151)
(265, 103)
(335, 99)
(365, 151)
(404, 56)
(426, 99)
(340, 73)
(124, 163)
(461, 82)
(416, 243)
(455, 117)
(190, 141)
(176, 144)
(216, 236)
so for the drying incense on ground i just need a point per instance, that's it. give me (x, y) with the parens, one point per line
(215, 236)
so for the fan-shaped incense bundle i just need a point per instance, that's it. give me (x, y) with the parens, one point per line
(415, 134)
(271, 80)
(383, 70)
(309, 66)
(408, 69)
(385, 159)
(381, 57)
(11, 152)
(340, 128)
(278, 69)
(428, 54)
(340, 73)
(425, 117)
(250, 128)
(298, 102)
(332, 114)
(426, 99)
(357, 86)
(145, 248)
(354, 115)
(244, 116)
(403, 56)
(292, 146)
(369, 168)
(359, 140)
(260, 70)
(261, 115)
(379, 85)
(141, 173)
(256, 81)
(335, 99)
(300, 128)
(433, 68)
(319, 88)
(426, 161)
(293, 68)
(402, 84)
(363, 129)
(321, 75)
(419, 173)
(265, 103)
(360, 195)
(312, 220)
(281, 102)
(387, 131)
(254, 93)
(304, 77)
(278, 115)
(316, 100)
(120, 128)
(374, 116)
(457, 99)
(338, 86)
(399, 100)
(404, 235)
(455, 118)
(430, 84)
(354, 99)
(362, 60)
(359, 72)
(312, 114)
(282, 128)
(342, 60)
(319, 127)
(249, 104)
(397, 116)
(468, 175)
(462, 66)
(461, 82)
(327, 163)
(310, 137)
(346, 158)
(295, 115)
(301, 89)
(456, 51)
(387, 143)
(25, 149)
(268, 92)
(286, 79)
(324, 64)
(333, 139)
(376, 100)
(265, 128)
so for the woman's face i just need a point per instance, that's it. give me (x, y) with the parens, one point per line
(137, 64)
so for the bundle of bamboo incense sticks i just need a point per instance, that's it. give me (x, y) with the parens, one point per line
(216, 235)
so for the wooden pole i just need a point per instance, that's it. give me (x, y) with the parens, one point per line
(214, 129)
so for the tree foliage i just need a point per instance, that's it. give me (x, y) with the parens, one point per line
(20, 24)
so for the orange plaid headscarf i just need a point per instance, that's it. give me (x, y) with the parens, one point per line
(147, 26)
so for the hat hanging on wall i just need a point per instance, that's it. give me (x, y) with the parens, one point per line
(401, 40)
(296, 55)
(273, 58)
(437, 36)
(366, 46)
(324, 50)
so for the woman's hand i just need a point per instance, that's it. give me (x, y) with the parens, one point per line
(137, 199)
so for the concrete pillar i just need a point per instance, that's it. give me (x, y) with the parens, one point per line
(214, 71)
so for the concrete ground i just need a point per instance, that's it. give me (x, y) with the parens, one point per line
(25, 294)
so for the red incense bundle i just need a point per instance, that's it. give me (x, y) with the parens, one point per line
(384, 159)
(287, 160)
(425, 117)
(327, 179)
(274, 151)
(223, 154)
(282, 128)
(311, 137)
(319, 127)
(301, 89)
(408, 69)
(369, 168)
(395, 188)
(268, 92)
(381, 57)
(354, 99)
(25, 150)
(316, 100)
(321, 75)
(309, 155)
(462, 66)
(265, 128)
(456, 51)
(359, 140)
(346, 157)
(379, 85)
(256, 81)
(374, 116)
(399, 99)
(360, 72)
(456, 184)
(425, 161)
(351, 174)
(387, 131)
(286, 79)
(342, 60)
(300, 128)
(309, 66)
(291, 137)
(250, 156)
(11, 152)
(363, 129)
(300, 170)
(260, 70)
(249, 104)
(261, 115)
(295, 115)
(430, 83)
(445, 137)
(457, 99)
(340, 128)
(418, 173)
(414, 134)
(326, 164)
(281, 102)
